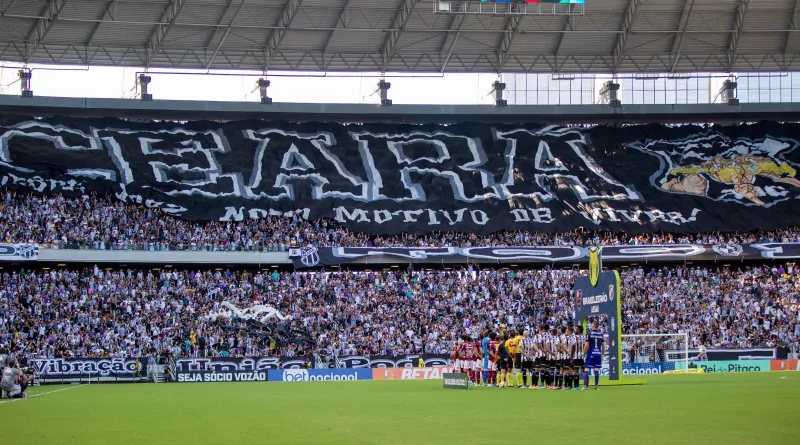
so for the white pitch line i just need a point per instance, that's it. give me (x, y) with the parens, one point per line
(41, 394)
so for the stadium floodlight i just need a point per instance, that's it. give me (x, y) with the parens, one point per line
(498, 88)
(144, 81)
(383, 87)
(728, 92)
(263, 84)
(25, 76)
(609, 94)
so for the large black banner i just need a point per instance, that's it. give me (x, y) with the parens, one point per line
(390, 179)
(257, 364)
(330, 256)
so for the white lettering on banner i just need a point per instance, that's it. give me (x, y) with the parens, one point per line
(210, 376)
(185, 161)
(424, 373)
(458, 170)
(74, 367)
(55, 135)
(595, 299)
(554, 171)
(454, 217)
(303, 375)
(297, 158)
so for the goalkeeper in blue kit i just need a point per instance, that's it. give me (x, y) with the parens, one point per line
(594, 350)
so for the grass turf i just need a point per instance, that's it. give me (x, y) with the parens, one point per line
(730, 409)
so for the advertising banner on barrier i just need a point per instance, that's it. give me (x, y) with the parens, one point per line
(89, 369)
(641, 368)
(427, 373)
(221, 376)
(313, 375)
(18, 252)
(728, 366)
(456, 381)
(347, 361)
(330, 256)
(690, 371)
(784, 365)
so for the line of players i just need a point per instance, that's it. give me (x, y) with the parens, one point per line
(551, 358)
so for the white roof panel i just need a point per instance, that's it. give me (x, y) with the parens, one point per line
(404, 35)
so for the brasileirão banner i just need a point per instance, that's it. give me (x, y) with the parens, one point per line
(388, 178)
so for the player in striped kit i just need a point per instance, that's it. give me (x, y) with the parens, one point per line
(574, 348)
(568, 340)
(562, 362)
(528, 349)
(554, 346)
(544, 356)
(538, 355)
(580, 356)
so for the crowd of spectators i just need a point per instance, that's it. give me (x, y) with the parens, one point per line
(114, 312)
(106, 223)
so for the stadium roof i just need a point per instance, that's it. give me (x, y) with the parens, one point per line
(403, 36)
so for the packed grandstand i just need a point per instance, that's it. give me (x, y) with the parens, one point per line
(92, 312)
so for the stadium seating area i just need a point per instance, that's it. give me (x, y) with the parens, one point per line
(101, 313)
(103, 222)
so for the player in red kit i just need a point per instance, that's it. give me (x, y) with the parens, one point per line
(455, 357)
(469, 355)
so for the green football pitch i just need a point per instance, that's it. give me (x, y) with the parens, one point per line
(729, 409)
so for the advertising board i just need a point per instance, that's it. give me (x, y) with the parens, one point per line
(221, 376)
(455, 381)
(784, 365)
(727, 366)
(313, 375)
(428, 373)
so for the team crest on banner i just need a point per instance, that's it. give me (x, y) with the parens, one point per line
(728, 249)
(309, 256)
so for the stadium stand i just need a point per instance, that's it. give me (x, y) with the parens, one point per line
(121, 313)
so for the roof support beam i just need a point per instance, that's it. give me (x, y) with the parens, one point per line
(680, 34)
(627, 26)
(738, 26)
(342, 20)
(220, 25)
(460, 20)
(39, 31)
(225, 34)
(276, 36)
(792, 27)
(107, 12)
(568, 26)
(5, 10)
(161, 31)
(509, 34)
(398, 26)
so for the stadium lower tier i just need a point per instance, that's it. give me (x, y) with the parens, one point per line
(205, 313)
